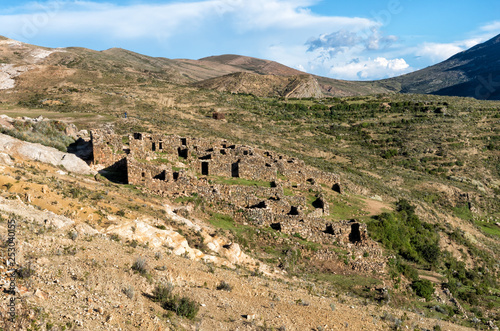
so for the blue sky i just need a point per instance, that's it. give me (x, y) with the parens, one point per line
(354, 40)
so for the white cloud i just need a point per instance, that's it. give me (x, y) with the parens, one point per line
(493, 27)
(379, 67)
(438, 52)
(145, 20)
(343, 40)
(301, 68)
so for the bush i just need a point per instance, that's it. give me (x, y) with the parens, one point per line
(182, 306)
(25, 272)
(129, 292)
(48, 133)
(389, 153)
(423, 288)
(223, 286)
(73, 235)
(114, 237)
(140, 265)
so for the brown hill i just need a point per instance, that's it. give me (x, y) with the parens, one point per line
(58, 66)
(297, 86)
(263, 67)
(328, 86)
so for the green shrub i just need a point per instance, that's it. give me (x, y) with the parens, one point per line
(114, 237)
(423, 288)
(182, 306)
(48, 133)
(73, 235)
(389, 153)
(403, 232)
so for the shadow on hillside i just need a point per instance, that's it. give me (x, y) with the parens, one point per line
(82, 149)
(116, 173)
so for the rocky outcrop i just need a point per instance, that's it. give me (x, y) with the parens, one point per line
(37, 152)
(45, 217)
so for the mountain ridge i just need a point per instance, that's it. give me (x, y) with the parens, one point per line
(471, 73)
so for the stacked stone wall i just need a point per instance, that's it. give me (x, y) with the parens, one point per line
(261, 206)
(107, 148)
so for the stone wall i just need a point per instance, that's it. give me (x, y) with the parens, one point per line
(107, 148)
(152, 161)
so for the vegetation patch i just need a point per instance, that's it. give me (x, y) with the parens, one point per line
(182, 306)
(240, 181)
(404, 233)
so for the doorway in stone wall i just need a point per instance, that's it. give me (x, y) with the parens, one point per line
(204, 168)
(355, 235)
(235, 170)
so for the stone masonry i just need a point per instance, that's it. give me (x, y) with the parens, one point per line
(180, 166)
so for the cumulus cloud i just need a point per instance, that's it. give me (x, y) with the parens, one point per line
(333, 41)
(342, 40)
(379, 67)
(301, 68)
(351, 55)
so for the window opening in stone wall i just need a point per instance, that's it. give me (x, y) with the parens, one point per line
(329, 230)
(182, 152)
(161, 176)
(276, 226)
(293, 211)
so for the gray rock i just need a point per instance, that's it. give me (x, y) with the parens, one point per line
(37, 152)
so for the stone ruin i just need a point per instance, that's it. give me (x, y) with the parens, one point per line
(171, 165)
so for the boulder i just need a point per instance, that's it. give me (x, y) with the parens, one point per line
(37, 152)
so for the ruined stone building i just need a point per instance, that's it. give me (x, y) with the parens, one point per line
(172, 165)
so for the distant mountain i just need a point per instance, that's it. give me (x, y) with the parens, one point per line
(471, 73)
(26, 66)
